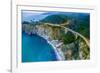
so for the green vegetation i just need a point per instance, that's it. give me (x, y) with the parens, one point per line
(68, 38)
(75, 39)
(55, 19)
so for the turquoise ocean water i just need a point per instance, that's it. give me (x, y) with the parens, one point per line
(36, 49)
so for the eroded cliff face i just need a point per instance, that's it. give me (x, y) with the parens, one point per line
(69, 44)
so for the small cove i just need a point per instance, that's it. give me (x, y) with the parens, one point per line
(36, 49)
